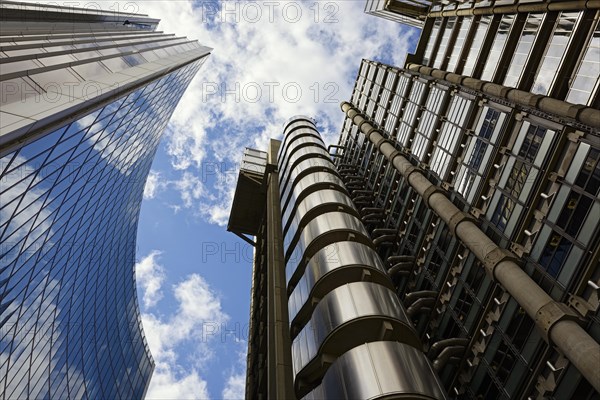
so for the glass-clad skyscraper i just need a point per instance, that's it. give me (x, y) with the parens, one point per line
(86, 95)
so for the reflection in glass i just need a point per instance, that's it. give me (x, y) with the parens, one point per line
(496, 50)
(586, 79)
(555, 52)
(524, 46)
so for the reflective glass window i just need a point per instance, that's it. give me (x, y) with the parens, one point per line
(524, 46)
(585, 81)
(502, 33)
(555, 51)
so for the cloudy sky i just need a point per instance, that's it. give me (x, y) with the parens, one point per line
(271, 60)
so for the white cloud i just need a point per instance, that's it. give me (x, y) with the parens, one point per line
(235, 388)
(235, 385)
(246, 89)
(190, 188)
(194, 325)
(154, 185)
(165, 385)
(149, 277)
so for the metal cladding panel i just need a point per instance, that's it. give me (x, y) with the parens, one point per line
(291, 131)
(301, 137)
(305, 168)
(311, 153)
(317, 202)
(340, 295)
(307, 185)
(379, 370)
(336, 257)
(340, 224)
(348, 304)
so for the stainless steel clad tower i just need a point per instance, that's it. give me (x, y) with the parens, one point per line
(319, 285)
(85, 96)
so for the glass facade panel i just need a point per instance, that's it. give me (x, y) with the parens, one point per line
(450, 136)
(518, 177)
(524, 46)
(506, 24)
(585, 81)
(465, 26)
(68, 220)
(482, 28)
(431, 42)
(441, 52)
(555, 51)
(479, 149)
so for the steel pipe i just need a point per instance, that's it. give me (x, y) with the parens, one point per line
(580, 113)
(419, 306)
(519, 8)
(410, 298)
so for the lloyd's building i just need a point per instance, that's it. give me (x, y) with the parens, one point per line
(448, 245)
(86, 95)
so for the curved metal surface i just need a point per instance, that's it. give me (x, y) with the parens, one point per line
(296, 132)
(298, 119)
(333, 266)
(316, 203)
(331, 227)
(348, 316)
(379, 370)
(315, 176)
(340, 295)
(303, 169)
(312, 152)
(308, 184)
(297, 144)
(300, 134)
(292, 138)
(293, 132)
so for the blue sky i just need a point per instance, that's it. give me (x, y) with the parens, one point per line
(271, 60)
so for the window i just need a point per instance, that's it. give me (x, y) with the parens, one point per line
(518, 177)
(429, 117)
(585, 81)
(524, 46)
(441, 52)
(572, 219)
(479, 152)
(459, 43)
(555, 52)
(482, 27)
(450, 136)
(432, 38)
(506, 24)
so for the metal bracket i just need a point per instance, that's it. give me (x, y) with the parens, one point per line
(586, 307)
(495, 257)
(458, 219)
(550, 314)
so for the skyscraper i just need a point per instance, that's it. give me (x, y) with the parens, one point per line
(86, 95)
(474, 176)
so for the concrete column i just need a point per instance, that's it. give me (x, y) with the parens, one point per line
(280, 382)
